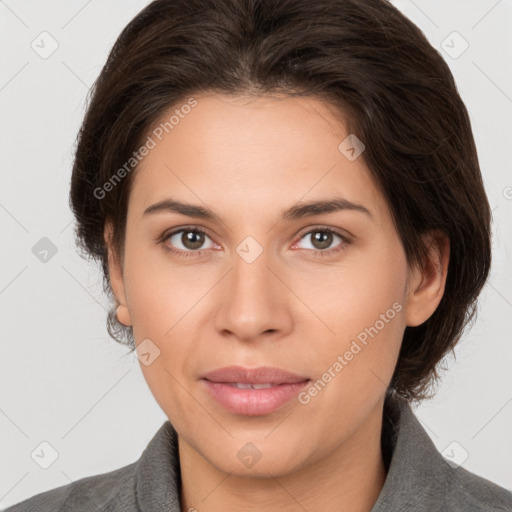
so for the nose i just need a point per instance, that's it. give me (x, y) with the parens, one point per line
(253, 302)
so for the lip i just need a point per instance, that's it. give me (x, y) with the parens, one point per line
(253, 402)
(259, 375)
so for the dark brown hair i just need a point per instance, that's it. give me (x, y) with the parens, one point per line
(364, 57)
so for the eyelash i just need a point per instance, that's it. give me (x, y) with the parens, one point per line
(187, 254)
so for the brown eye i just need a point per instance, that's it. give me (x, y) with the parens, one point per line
(187, 240)
(192, 239)
(322, 240)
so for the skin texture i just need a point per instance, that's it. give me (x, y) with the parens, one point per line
(248, 160)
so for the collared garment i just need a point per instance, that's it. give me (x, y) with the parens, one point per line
(419, 478)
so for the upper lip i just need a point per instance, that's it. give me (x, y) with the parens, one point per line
(259, 375)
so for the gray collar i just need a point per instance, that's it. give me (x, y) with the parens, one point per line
(418, 477)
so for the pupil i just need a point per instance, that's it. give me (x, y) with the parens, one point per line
(324, 238)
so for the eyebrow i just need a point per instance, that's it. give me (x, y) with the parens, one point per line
(298, 211)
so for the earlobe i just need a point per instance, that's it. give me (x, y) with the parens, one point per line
(116, 278)
(123, 315)
(426, 285)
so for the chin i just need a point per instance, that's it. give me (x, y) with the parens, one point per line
(257, 459)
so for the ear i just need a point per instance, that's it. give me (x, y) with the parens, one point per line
(116, 277)
(426, 283)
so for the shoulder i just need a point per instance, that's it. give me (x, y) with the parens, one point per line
(420, 478)
(152, 479)
(93, 493)
(467, 491)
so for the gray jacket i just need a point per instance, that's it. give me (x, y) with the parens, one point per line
(419, 478)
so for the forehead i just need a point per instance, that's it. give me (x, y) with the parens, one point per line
(242, 153)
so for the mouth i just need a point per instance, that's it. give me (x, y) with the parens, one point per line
(253, 391)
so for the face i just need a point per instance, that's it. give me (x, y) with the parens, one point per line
(263, 281)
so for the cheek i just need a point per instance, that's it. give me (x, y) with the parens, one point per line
(355, 295)
(363, 307)
(159, 293)
(163, 300)
(169, 389)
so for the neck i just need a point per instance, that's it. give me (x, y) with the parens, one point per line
(349, 478)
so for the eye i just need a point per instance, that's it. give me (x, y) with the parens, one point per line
(322, 238)
(186, 241)
(189, 241)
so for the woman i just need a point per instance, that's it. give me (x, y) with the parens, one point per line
(287, 204)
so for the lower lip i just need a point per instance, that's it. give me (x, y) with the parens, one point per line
(253, 402)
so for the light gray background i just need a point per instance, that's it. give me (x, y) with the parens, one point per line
(65, 382)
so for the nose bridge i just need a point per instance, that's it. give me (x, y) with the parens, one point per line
(252, 299)
(250, 274)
